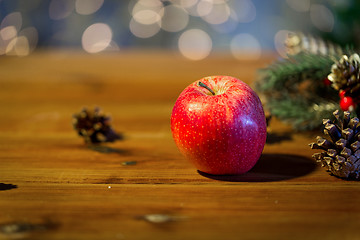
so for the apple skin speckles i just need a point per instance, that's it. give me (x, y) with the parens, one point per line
(223, 133)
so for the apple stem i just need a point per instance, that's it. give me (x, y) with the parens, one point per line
(205, 86)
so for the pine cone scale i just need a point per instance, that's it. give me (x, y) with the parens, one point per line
(355, 146)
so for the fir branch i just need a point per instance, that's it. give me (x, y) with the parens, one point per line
(295, 92)
(293, 70)
(299, 114)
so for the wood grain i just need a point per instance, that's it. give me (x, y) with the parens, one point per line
(53, 186)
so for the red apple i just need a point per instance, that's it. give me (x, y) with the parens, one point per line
(218, 123)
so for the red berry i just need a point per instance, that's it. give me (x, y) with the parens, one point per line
(347, 103)
(327, 82)
(342, 93)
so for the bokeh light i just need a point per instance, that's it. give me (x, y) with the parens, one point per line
(299, 6)
(13, 19)
(15, 41)
(190, 6)
(279, 42)
(220, 24)
(174, 18)
(203, 8)
(186, 3)
(8, 33)
(143, 30)
(229, 26)
(141, 5)
(147, 17)
(195, 44)
(245, 46)
(147, 12)
(60, 9)
(87, 7)
(219, 13)
(322, 17)
(18, 47)
(96, 38)
(245, 10)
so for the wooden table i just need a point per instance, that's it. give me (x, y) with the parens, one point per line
(53, 186)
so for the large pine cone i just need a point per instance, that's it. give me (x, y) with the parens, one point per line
(342, 149)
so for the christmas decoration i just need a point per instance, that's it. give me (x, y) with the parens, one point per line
(293, 90)
(299, 42)
(345, 78)
(342, 147)
(347, 103)
(300, 89)
(218, 123)
(94, 126)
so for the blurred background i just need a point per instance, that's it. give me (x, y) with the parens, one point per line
(245, 29)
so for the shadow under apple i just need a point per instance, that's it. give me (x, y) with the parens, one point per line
(271, 167)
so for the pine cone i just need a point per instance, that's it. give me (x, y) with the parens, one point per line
(94, 126)
(342, 150)
(297, 42)
(345, 75)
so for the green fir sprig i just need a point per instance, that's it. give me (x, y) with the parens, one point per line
(295, 90)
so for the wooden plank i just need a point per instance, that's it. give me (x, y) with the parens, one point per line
(53, 186)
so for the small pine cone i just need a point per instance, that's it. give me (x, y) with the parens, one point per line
(94, 126)
(342, 147)
(297, 42)
(345, 75)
